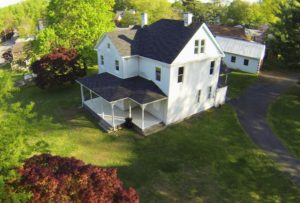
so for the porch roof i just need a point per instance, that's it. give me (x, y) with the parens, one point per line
(112, 88)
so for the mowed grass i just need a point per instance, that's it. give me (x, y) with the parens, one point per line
(238, 81)
(207, 158)
(284, 118)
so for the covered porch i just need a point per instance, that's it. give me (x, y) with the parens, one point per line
(135, 98)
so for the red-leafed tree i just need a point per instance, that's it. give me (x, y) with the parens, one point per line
(58, 179)
(59, 67)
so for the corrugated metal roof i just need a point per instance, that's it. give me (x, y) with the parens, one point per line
(241, 47)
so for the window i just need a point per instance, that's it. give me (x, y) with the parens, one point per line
(117, 65)
(108, 45)
(209, 92)
(102, 60)
(246, 62)
(158, 73)
(212, 67)
(233, 59)
(196, 50)
(180, 74)
(202, 49)
(199, 96)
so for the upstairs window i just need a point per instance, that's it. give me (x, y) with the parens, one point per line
(199, 96)
(246, 62)
(202, 48)
(180, 74)
(117, 65)
(209, 92)
(102, 60)
(158, 73)
(196, 50)
(233, 59)
(212, 67)
(108, 45)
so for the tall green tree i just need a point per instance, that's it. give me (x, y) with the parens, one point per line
(285, 41)
(156, 9)
(76, 24)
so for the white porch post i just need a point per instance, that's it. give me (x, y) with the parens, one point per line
(82, 95)
(129, 109)
(143, 116)
(113, 115)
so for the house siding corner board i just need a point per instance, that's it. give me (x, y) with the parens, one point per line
(110, 55)
(132, 66)
(183, 99)
(252, 67)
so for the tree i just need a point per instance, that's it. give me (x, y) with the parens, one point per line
(128, 19)
(59, 179)
(57, 68)
(7, 34)
(285, 41)
(156, 9)
(78, 24)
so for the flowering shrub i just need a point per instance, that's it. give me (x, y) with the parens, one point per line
(61, 66)
(58, 179)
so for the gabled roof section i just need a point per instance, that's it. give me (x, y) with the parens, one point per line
(241, 47)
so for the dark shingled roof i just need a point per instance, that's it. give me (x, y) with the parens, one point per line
(162, 40)
(227, 31)
(112, 88)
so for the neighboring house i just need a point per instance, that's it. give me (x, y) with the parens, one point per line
(120, 14)
(157, 74)
(240, 52)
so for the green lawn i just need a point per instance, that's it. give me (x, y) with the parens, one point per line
(284, 118)
(238, 81)
(204, 159)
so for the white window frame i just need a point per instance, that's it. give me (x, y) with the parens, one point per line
(209, 94)
(180, 76)
(231, 59)
(117, 65)
(247, 62)
(199, 96)
(102, 59)
(158, 73)
(196, 49)
(212, 67)
(202, 46)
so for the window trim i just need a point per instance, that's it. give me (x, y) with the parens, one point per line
(158, 73)
(246, 64)
(199, 95)
(233, 59)
(209, 95)
(180, 76)
(196, 45)
(101, 59)
(202, 46)
(212, 67)
(117, 65)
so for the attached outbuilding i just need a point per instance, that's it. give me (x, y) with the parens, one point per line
(243, 55)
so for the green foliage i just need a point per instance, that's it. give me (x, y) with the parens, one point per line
(156, 9)
(23, 16)
(284, 118)
(76, 24)
(128, 19)
(285, 40)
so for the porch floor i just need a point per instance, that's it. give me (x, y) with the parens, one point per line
(120, 115)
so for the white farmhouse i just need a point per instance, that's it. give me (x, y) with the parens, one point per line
(157, 74)
(240, 52)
